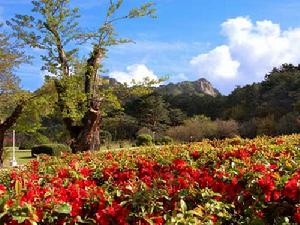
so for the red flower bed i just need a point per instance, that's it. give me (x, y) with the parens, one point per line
(229, 182)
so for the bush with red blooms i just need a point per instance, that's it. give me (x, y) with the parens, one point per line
(212, 182)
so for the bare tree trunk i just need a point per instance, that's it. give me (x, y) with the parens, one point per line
(89, 136)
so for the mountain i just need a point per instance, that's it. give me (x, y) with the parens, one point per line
(198, 87)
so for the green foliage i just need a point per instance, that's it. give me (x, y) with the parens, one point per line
(267, 108)
(49, 20)
(29, 140)
(53, 128)
(288, 124)
(241, 103)
(151, 111)
(29, 144)
(121, 126)
(277, 95)
(53, 26)
(165, 140)
(176, 116)
(144, 139)
(31, 118)
(50, 149)
(11, 57)
(197, 104)
(73, 98)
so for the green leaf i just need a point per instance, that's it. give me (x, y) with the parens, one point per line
(63, 208)
(20, 219)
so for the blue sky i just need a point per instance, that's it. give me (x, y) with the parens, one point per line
(229, 42)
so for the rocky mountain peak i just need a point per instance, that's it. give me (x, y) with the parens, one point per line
(200, 86)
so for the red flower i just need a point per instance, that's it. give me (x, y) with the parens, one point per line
(76, 209)
(159, 221)
(214, 218)
(260, 214)
(63, 173)
(234, 181)
(85, 171)
(297, 216)
(276, 195)
(179, 164)
(195, 155)
(109, 156)
(267, 183)
(2, 189)
(273, 166)
(279, 141)
(291, 189)
(259, 168)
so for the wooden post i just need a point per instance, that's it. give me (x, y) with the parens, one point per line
(13, 162)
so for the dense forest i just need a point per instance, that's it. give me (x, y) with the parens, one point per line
(270, 107)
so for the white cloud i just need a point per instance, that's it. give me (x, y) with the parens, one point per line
(177, 78)
(217, 63)
(136, 72)
(251, 51)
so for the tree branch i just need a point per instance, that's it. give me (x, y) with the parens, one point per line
(61, 53)
(12, 119)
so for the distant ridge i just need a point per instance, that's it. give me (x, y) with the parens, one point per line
(198, 87)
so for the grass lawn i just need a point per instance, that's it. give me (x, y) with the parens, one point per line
(22, 156)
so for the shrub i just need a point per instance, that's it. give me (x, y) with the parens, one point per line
(144, 130)
(144, 139)
(28, 141)
(50, 149)
(266, 125)
(288, 124)
(28, 144)
(248, 129)
(165, 140)
(194, 129)
(226, 129)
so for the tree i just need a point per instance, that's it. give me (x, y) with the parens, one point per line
(121, 126)
(176, 116)
(12, 98)
(56, 30)
(280, 91)
(151, 111)
(242, 103)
